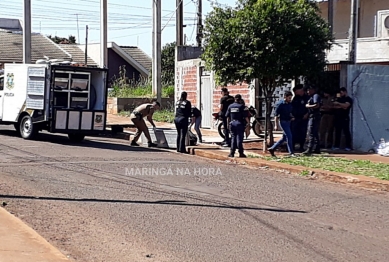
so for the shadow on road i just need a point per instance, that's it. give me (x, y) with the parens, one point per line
(163, 202)
(63, 140)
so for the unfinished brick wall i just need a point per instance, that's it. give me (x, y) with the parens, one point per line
(187, 81)
(242, 89)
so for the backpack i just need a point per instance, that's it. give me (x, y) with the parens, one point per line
(192, 138)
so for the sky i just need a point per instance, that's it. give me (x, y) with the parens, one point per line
(129, 22)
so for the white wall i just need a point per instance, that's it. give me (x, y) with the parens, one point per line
(368, 86)
(369, 50)
(93, 51)
(342, 11)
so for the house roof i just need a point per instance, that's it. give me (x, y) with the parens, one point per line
(11, 48)
(138, 55)
(78, 55)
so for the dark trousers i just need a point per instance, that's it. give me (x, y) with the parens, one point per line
(237, 135)
(342, 124)
(313, 129)
(182, 129)
(299, 132)
(227, 139)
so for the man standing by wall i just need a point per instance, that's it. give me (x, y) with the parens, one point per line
(327, 121)
(225, 102)
(342, 119)
(300, 112)
(313, 106)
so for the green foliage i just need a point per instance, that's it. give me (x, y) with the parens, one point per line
(167, 65)
(163, 115)
(272, 40)
(338, 164)
(63, 40)
(127, 88)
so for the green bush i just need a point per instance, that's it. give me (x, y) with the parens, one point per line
(123, 88)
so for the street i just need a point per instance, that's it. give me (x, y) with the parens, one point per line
(93, 203)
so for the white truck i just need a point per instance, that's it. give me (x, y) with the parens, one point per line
(58, 98)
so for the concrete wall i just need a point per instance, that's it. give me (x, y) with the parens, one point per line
(342, 11)
(368, 85)
(188, 52)
(116, 105)
(369, 50)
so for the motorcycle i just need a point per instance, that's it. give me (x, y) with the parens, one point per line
(257, 124)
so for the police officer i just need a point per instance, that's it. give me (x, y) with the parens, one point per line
(313, 106)
(183, 112)
(225, 102)
(300, 112)
(237, 117)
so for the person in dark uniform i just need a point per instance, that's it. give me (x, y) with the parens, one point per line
(225, 102)
(183, 112)
(343, 106)
(283, 118)
(237, 117)
(196, 120)
(313, 106)
(300, 112)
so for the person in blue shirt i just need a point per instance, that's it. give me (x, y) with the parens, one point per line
(283, 118)
(237, 118)
(313, 105)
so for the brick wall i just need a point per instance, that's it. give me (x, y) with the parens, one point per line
(242, 89)
(190, 83)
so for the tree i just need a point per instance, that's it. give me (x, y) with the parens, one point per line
(273, 41)
(63, 40)
(168, 60)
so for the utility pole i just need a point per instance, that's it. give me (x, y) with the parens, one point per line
(179, 23)
(199, 23)
(27, 32)
(353, 36)
(157, 49)
(103, 34)
(86, 46)
(331, 15)
(78, 30)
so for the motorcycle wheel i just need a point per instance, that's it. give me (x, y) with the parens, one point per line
(220, 129)
(257, 129)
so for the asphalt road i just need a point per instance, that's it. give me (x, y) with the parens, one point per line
(82, 200)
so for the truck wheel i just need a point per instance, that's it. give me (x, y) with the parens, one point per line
(27, 129)
(76, 137)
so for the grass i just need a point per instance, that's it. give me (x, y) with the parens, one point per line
(142, 88)
(139, 91)
(163, 115)
(337, 164)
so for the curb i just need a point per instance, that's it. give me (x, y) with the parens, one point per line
(318, 174)
(30, 238)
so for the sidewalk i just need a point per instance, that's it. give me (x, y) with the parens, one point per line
(253, 144)
(20, 243)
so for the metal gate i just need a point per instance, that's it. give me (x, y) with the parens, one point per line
(206, 100)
